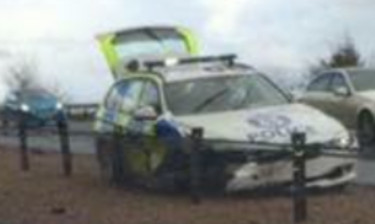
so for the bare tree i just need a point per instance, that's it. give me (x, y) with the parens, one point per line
(57, 90)
(345, 55)
(23, 74)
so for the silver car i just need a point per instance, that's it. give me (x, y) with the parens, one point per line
(348, 95)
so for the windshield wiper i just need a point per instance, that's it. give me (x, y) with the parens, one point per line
(210, 99)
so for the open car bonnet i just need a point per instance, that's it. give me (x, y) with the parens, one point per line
(130, 44)
(268, 124)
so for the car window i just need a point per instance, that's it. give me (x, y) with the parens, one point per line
(222, 93)
(338, 81)
(151, 96)
(362, 79)
(321, 84)
(124, 96)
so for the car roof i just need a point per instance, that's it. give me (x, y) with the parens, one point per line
(206, 70)
(181, 69)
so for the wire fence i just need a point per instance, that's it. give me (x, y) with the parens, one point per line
(116, 153)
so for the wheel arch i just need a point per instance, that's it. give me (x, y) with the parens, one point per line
(361, 112)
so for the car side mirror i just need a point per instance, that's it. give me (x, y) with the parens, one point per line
(145, 113)
(341, 91)
(295, 96)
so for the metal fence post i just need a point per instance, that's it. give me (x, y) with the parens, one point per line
(299, 193)
(65, 148)
(195, 166)
(117, 155)
(22, 134)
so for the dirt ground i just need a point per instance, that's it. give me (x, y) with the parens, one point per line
(44, 196)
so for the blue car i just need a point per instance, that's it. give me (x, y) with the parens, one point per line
(37, 107)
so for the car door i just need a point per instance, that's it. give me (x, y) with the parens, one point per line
(343, 106)
(146, 154)
(119, 105)
(318, 92)
(148, 108)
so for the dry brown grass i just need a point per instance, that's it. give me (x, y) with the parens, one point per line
(44, 196)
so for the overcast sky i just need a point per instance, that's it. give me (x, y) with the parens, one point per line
(281, 37)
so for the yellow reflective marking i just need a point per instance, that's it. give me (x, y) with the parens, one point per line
(190, 40)
(144, 160)
(98, 118)
(107, 47)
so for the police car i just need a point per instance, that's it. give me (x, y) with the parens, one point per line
(237, 107)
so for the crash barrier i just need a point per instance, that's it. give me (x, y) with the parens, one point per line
(195, 146)
(298, 154)
(118, 143)
(81, 111)
(298, 150)
(299, 177)
(63, 132)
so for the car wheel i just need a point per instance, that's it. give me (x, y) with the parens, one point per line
(366, 130)
(107, 164)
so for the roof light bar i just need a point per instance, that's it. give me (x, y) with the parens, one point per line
(179, 61)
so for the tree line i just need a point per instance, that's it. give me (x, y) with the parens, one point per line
(344, 55)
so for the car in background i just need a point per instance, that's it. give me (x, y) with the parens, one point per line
(349, 96)
(37, 107)
(235, 105)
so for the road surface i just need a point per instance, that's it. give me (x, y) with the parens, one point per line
(80, 143)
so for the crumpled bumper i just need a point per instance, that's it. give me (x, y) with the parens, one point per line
(321, 172)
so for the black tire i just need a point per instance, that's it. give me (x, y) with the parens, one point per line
(104, 157)
(366, 130)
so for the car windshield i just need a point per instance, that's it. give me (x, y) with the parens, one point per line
(217, 94)
(363, 80)
(36, 95)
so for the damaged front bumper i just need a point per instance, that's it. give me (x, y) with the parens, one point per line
(321, 172)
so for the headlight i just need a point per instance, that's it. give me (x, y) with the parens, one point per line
(25, 107)
(344, 141)
(59, 106)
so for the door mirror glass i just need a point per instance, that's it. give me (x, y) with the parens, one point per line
(341, 91)
(145, 113)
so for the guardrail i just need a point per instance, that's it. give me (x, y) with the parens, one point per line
(297, 151)
(81, 111)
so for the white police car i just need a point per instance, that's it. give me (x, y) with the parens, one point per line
(234, 104)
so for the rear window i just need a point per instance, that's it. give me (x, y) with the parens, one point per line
(150, 42)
